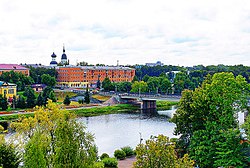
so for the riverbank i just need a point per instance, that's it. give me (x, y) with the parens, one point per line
(165, 105)
(95, 111)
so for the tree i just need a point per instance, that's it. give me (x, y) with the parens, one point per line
(53, 138)
(39, 101)
(66, 101)
(3, 103)
(31, 98)
(106, 84)
(212, 108)
(21, 102)
(48, 93)
(139, 86)
(160, 152)
(145, 78)
(9, 157)
(48, 80)
(165, 86)
(87, 97)
(135, 79)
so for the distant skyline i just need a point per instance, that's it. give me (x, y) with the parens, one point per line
(180, 32)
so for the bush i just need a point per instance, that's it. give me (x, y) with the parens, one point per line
(120, 154)
(110, 162)
(128, 151)
(98, 165)
(104, 155)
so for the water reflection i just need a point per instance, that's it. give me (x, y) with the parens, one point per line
(118, 130)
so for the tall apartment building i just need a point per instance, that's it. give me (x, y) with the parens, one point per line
(80, 76)
(15, 68)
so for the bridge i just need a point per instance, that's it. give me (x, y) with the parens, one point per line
(145, 101)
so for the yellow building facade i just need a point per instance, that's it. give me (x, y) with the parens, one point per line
(8, 90)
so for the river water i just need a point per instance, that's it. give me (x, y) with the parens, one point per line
(114, 131)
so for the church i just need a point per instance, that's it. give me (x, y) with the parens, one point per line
(64, 60)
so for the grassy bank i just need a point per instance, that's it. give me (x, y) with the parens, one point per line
(165, 105)
(95, 111)
(14, 116)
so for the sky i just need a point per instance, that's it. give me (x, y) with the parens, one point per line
(175, 32)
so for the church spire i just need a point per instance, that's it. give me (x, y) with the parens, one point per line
(63, 49)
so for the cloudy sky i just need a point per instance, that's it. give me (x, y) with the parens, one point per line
(177, 32)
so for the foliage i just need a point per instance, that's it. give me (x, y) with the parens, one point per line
(66, 101)
(3, 102)
(39, 100)
(48, 93)
(110, 162)
(21, 102)
(215, 148)
(159, 152)
(128, 151)
(48, 80)
(246, 126)
(106, 84)
(9, 157)
(98, 165)
(36, 73)
(31, 98)
(119, 154)
(139, 87)
(18, 78)
(207, 115)
(53, 137)
(104, 155)
(87, 96)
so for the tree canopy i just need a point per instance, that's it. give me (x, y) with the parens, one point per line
(53, 138)
(210, 110)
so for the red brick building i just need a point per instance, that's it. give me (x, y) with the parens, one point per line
(80, 76)
(15, 68)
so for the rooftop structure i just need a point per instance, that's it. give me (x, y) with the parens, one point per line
(14, 67)
(158, 63)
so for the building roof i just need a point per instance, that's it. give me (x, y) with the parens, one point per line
(64, 56)
(12, 67)
(38, 85)
(53, 55)
(6, 83)
(97, 67)
(53, 63)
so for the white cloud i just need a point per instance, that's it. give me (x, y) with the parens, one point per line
(132, 31)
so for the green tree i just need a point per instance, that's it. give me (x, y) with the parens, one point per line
(145, 78)
(48, 93)
(215, 103)
(54, 138)
(135, 79)
(9, 157)
(21, 102)
(160, 152)
(48, 80)
(106, 84)
(153, 84)
(139, 86)
(87, 96)
(31, 98)
(4, 103)
(165, 86)
(66, 101)
(39, 101)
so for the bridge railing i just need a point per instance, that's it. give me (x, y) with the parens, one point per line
(146, 95)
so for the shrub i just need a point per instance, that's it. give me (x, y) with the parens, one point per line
(120, 154)
(104, 155)
(98, 165)
(128, 150)
(110, 162)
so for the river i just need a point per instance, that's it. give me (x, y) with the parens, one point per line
(114, 131)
